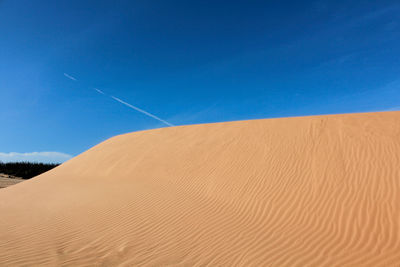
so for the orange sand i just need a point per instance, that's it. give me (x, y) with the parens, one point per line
(309, 191)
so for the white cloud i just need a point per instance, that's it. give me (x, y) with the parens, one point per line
(47, 157)
(396, 108)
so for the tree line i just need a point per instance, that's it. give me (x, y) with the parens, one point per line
(26, 170)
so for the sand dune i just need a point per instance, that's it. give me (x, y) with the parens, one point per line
(8, 180)
(309, 191)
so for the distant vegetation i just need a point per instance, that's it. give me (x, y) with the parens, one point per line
(25, 170)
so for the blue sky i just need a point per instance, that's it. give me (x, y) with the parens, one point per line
(185, 62)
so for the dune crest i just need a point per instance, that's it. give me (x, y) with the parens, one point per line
(307, 191)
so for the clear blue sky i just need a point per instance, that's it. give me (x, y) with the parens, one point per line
(186, 62)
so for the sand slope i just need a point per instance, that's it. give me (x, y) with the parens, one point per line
(310, 191)
(9, 180)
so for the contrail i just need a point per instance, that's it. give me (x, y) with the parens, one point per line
(98, 90)
(125, 103)
(70, 77)
(141, 110)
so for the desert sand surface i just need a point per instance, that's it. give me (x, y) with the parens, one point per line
(8, 180)
(305, 191)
